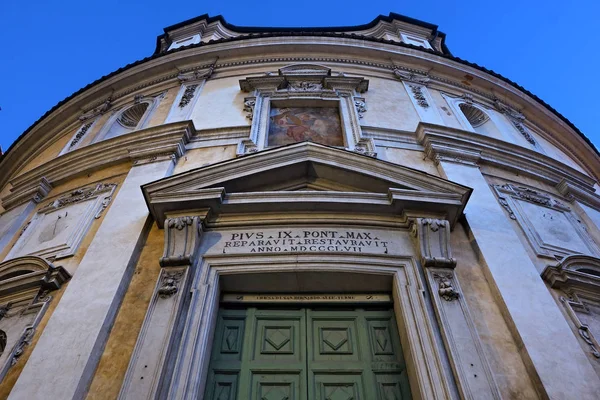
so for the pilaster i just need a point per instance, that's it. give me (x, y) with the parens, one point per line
(77, 331)
(473, 375)
(531, 313)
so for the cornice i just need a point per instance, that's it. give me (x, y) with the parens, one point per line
(450, 144)
(163, 67)
(407, 189)
(163, 140)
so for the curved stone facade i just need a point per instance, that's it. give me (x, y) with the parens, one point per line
(300, 213)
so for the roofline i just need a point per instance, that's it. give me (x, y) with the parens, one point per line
(304, 32)
(256, 29)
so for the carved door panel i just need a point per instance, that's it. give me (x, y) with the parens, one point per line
(306, 355)
(355, 355)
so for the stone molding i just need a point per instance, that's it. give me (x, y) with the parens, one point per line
(119, 85)
(24, 299)
(99, 195)
(204, 188)
(182, 237)
(426, 372)
(432, 242)
(509, 196)
(431, 239)
(578, 277)
(457, 143)
(300, 83)
(146, 143)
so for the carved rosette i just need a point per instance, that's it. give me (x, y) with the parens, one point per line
(182, 237)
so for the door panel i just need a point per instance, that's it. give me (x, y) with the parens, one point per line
(306, 355)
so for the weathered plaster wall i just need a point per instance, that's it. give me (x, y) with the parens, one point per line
(119, 347)
(220, 104)
(201, 157)
(408, 158)
(389, 106)
(164, 106)
(500, 348)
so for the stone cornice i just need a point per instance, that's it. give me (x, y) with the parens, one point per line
(256, 50)
(575, 272)
(40, 275)
(407, 189)
(163, 140)
(450, 144)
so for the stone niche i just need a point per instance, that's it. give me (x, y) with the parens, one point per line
(551, 227)
(58, 228)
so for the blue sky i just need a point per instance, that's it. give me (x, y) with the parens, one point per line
(53, 48)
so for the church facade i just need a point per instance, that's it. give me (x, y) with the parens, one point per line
(300, 213)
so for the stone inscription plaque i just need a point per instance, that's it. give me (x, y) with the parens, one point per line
(304, 240)
(306, 298)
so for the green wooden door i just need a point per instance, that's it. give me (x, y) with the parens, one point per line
(304, 354)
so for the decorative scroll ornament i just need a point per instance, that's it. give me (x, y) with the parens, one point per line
(249, 103)
(411, 76)
(445, 288)
(170, 284)
(188, 95)
(101, 109)
(584, 332)
(361, 106)
(80, 134)
(182, 237)
(196, 75)
(83, 194)
(432, 242)
(304, 86)
(467, 98)
(180, 222)
(24, 341)
(516, 118)
(417, 92)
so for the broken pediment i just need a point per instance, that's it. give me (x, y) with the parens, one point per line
(306, 177)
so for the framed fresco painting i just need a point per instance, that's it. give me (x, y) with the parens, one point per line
(297, 124)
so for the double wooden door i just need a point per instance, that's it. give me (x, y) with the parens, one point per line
(306, 354)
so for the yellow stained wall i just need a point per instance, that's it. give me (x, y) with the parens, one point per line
(499, 345)
(113, 364)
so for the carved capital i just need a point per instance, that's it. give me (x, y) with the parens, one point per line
(182, 237)
(431, 238)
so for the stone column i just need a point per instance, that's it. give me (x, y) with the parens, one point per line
(554, 359)
(67, 353)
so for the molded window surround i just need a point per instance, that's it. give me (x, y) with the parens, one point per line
(129, 118)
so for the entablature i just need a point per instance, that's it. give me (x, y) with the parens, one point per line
(167, 140)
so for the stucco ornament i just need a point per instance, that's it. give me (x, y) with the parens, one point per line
(445, 289)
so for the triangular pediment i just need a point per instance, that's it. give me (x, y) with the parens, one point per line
(304, 173)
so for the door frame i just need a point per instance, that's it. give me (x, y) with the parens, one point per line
(425, 367)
